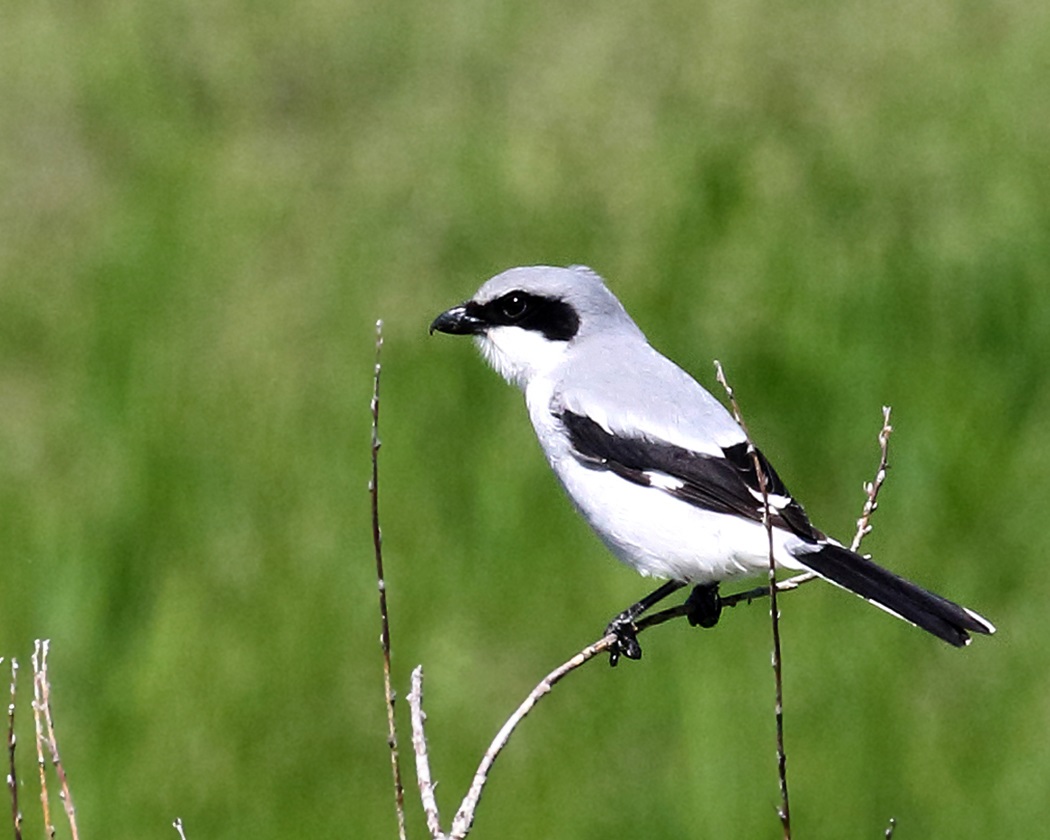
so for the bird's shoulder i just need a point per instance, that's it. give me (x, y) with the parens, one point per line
(642, 394)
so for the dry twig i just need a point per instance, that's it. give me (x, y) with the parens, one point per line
(38, 704)
(784, 811)
(42, 695)
(384, 616)
(464, 818)
(12, 777)
(871, 488)
(419, 743)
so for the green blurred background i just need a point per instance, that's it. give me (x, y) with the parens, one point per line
(205, 206)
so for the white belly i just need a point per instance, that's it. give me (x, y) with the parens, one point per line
(663, 536)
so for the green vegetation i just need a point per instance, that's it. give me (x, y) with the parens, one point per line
(204, 208)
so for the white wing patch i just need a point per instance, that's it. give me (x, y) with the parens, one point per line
(776, 501)
(663, 481)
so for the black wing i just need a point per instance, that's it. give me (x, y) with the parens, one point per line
(727, 484)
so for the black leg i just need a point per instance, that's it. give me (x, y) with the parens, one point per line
(623, 625)
(703, 606)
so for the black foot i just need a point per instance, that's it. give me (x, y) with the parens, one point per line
(626, 643)
(703, 606)
(623, 625)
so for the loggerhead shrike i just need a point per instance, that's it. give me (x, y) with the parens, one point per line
(655, 464)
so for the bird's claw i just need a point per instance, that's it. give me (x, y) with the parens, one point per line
(703, 607)
(626, 643)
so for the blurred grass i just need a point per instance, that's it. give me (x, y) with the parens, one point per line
(204, 208)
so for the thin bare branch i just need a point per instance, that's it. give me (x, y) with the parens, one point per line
(784, 811)
(64, 793)
(465, 816)
(464, 819)
(419, 743)
(384, 615)
(871, 488)
(12, 776)
(750, 595)
(38, 720)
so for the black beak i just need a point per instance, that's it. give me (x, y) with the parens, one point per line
(458, 321)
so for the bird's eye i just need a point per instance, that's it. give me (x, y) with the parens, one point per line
(514, 306)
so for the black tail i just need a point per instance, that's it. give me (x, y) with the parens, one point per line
(901, 597)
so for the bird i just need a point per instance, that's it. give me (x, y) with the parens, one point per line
(656, 465)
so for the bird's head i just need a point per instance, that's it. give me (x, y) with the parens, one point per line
(525, 320)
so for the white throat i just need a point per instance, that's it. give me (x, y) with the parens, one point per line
(520, 355)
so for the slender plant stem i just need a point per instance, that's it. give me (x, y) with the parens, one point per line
(464, 818)
(38, 722)
(12, 777)
(871, 488)
(419, 744)
(44, 683)
(384, 615)
(784, 811)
